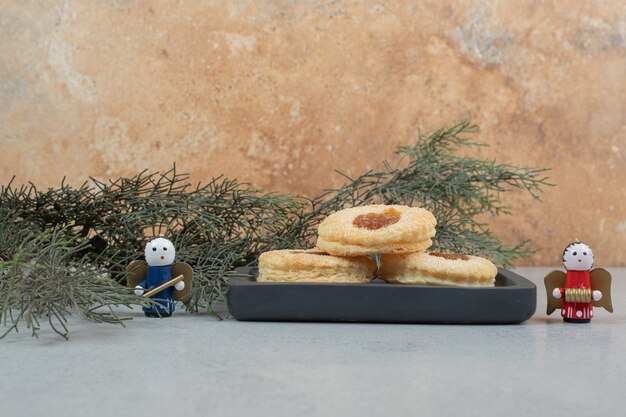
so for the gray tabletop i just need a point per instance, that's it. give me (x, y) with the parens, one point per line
(196, 365)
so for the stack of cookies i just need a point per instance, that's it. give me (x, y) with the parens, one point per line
(401, 234)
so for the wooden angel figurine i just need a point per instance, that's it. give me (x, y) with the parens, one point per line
(162, 278)
(578, 290)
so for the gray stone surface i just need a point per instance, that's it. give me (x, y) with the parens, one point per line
(195, 365)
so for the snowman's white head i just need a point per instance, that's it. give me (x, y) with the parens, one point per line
(160, 252)
(577, 257)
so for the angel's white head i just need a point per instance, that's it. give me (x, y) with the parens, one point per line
(160, 252)
(577, 257)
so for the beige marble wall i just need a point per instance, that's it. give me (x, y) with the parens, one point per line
(281, 92)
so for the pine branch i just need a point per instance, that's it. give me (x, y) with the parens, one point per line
(43, 280)
(456, 189)
(51, 239)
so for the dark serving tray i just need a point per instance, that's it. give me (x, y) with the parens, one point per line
(512, 300)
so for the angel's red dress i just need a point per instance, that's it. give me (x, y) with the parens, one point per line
(577, 287)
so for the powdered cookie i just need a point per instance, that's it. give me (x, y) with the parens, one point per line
(438, 268)
(368, 230)
(313, 266)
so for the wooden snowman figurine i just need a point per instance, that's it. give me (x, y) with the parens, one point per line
(580, 289)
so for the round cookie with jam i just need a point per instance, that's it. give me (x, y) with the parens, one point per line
(438, 268)
(311, 265)
(368, 230)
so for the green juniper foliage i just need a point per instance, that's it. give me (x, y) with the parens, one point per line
(56, 244)
(46, 279)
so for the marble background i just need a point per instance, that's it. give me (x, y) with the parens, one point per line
(280, 93)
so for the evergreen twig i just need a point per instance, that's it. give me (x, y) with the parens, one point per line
(51, 239)
(45, 279)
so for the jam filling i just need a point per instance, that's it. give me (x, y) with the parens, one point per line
(451, 256)
(375, 221)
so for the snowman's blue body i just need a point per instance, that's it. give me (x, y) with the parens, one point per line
(159, 275)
